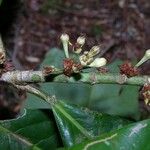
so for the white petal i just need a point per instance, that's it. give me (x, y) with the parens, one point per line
(98, 62)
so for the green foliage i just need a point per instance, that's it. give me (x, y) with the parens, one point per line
(79, 128)
(84, 117)
(112, 99)
(132, 137)
(77, 124)
(1, 1)
(35, 129)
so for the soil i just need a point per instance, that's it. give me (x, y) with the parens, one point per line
(120, 26)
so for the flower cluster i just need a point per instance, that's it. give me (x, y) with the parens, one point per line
(87, 58)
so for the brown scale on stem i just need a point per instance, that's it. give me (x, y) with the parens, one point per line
(128, 69)
(71, 67)
(48, 70)
(103, 70)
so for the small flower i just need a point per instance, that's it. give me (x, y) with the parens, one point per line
(98, 62)
(94, 51)
(78, 45)
(81, 40)
(65, 41)
(85, 60)
(144, 59)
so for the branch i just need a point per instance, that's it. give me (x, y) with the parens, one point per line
(51, 100)
(24, 77)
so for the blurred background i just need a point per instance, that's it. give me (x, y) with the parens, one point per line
(120, 26)
(30, 28)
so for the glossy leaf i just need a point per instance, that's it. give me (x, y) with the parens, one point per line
(108, 98)
(132, 137)
(35, 129)
(77, 124)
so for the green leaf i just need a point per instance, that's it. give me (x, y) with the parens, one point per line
(35, 129)
(108, 98)
(132, 137)
(77, 124)
(54, 57)
(1, 2)
(34, 102)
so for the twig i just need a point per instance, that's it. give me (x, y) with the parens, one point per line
(23, 77)
(51, 100)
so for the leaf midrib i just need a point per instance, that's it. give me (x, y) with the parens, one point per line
(73, 121)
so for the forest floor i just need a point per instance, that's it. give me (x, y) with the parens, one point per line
(120, 26)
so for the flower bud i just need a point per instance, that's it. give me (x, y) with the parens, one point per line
(85, 52)
(144, 59)
(98, 62)
(64, 37)
(94, 51)
(65, 41)
(81, 40)
(147, 54)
